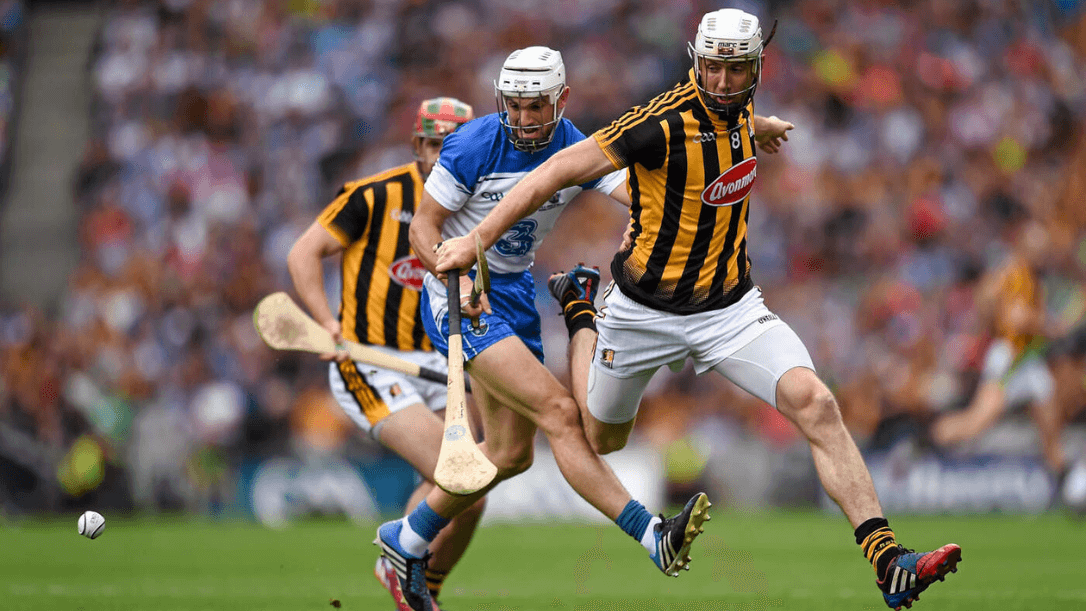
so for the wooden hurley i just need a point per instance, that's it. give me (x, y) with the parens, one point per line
(462, 468)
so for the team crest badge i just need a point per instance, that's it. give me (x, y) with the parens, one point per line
(481, 329)
(607, 358)
(395, 391)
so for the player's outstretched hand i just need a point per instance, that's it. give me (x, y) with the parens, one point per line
(456, 253)
(770, 132)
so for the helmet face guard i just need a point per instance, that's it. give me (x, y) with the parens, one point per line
(534, 73)
(529, 145)
(728, 35)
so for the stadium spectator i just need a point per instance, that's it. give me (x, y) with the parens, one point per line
(1015, 372)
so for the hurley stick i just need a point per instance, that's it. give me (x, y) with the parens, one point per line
(462, 468)
(283, 325)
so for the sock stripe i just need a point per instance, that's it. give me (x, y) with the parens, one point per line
(880, 551)
(886, 547)
(871, 543)
(579, 315)
(435, 579)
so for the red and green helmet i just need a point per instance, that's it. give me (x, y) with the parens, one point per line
(439, 117)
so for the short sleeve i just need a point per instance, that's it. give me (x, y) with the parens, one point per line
(457, 171)
(347, 216)
(635, 137)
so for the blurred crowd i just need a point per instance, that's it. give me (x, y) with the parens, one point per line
(12, 52)
(926, 132)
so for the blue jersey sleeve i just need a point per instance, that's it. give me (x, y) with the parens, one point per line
(465, 151)
(465, 157)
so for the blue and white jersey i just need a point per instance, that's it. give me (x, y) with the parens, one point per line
(478, 166)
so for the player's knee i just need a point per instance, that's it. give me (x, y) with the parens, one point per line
(561, 417)
(813, 408)
(822, 410)
(513, 461)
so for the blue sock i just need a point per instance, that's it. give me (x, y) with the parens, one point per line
(426, 522)
(634, 519)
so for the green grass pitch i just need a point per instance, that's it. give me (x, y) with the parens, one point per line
(743, 561)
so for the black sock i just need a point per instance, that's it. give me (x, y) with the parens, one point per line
(579, 315)
(879, 546)
(434, 581)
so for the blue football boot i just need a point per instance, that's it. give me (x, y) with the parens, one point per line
(405, 575)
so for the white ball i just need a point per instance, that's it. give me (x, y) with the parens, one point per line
(91, 524)
(1074, 487)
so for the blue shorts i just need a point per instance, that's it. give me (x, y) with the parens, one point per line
(512, 299)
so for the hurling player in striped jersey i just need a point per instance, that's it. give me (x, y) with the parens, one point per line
(367, 224)
(684, 289)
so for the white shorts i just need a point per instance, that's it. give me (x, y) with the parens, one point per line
(1027, 380)
(368, 394)
(744, 342)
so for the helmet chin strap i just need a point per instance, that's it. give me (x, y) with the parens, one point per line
(730, 112)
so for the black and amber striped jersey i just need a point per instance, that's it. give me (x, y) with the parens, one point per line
(1019, 303)
(382, 277)
(690, 178)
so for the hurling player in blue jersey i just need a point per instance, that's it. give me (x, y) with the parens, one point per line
(515, 393)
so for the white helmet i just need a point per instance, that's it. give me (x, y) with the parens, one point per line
(729, 35)
(534, 72)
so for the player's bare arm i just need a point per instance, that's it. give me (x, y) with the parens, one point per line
(575, 165)
(425, 230)
(769, 132)
(304, 263)
(425, 236)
